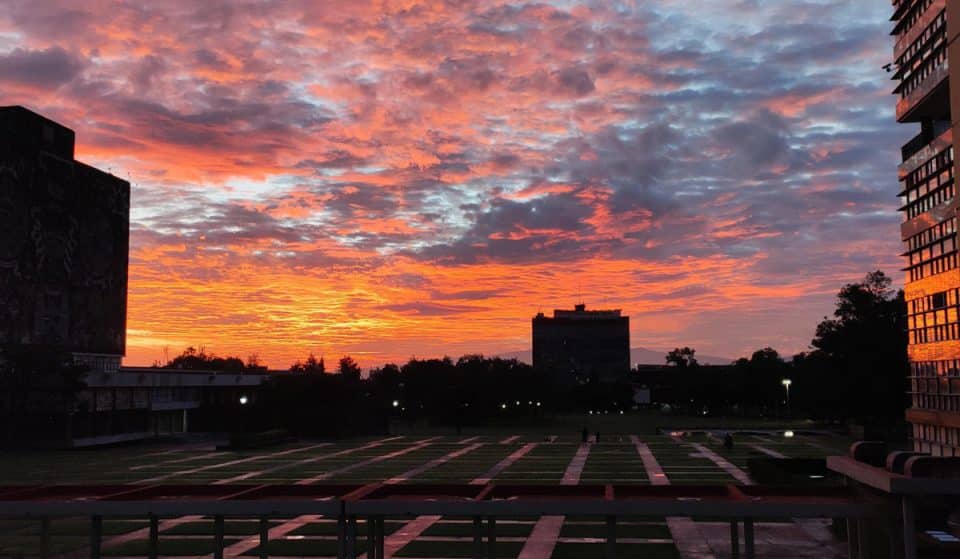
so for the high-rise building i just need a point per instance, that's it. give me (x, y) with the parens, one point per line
(928, 93)
(64, 235)
(582, 345)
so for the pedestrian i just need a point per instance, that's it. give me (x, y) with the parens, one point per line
(584, 434)
(596, 437)
(728, 441)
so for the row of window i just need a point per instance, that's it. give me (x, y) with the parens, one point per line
(935, 266)
(940, 402)
(931, 168)
(934, 318)
(946, 367)
(944, 192)
(937, 440)
(935, 249)
(934, 302)
(946, 228)
(921, 58)
(910, 18)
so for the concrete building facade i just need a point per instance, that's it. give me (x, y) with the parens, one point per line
(582, 345)
(64, 237)
(926, 46)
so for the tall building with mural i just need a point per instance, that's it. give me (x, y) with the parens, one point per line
(926, 70)
(64, 235)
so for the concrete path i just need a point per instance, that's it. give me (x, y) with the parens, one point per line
(687, 538)
(815, 540)
(467, 440)
(767, 451)
(310, 460)
(178, 460)
(504, 464)
(546, 532)
(738, 474)
(406, 476)
(575, 468)
(350, 467)
(232, 462)
(509, 440)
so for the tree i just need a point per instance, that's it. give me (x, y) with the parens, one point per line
(310, 366)
(349, 368)
(682, 358)
(862, 351)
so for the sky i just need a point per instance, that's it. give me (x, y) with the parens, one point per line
(401, 178)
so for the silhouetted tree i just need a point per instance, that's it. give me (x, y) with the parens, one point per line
(859, 364)
(199, 360)
(310, 366)
(682, 358)
(348, 368)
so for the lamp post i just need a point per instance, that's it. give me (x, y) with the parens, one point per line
(786, 384)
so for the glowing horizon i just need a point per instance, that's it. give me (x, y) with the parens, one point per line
(396, 179)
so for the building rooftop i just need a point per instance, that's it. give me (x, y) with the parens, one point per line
(580, 312)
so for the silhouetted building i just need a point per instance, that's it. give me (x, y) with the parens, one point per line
(582, 345)
(929, 96)
(64, 230)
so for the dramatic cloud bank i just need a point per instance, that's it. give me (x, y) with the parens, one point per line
(400, 178)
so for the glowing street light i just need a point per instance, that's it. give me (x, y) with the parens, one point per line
(243, 400)
(786, 384)
(396, 403)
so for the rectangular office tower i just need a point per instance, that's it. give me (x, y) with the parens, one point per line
(64, 234)
(928, 93)
(582, 345)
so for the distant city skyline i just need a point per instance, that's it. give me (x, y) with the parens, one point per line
(417, 179)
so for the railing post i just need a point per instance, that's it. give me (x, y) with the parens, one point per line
(491, 537)
(45, 537)
(909, 530)
(734, 539)
(371, 538)
(264, 537)
(611, 537)
(96, 536)
(381, 537)
(352, 537)
(748, 550)
(341, 536)
(477, 537)
(153, 545)
(218, 537)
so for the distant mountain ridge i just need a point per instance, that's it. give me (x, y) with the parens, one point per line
(638, 355)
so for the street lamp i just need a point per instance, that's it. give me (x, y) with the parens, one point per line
(396, 403)
(786, 384)
(243, 400)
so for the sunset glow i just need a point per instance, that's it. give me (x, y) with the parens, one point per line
(401, 178)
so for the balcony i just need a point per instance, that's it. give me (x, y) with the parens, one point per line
(930, 100)
(929, 138)
(909, 36)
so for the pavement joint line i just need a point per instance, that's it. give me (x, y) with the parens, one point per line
(252, 542)
(687, 538)
(723, 463)
(767, 451)
(311, 460)
(178, 460)
(432, 464)
(543, 538)
(503, 464)
(376, 459)
(253, 458)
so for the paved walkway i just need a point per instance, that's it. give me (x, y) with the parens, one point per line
(687, 538)
(232, 463)
(546, 532)
(310, 460)
(504, 464)
(767, 451)
(723, 463)
(406, 476)
(509, 440)
(349, 467)
(178, 460)
(806, 538)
